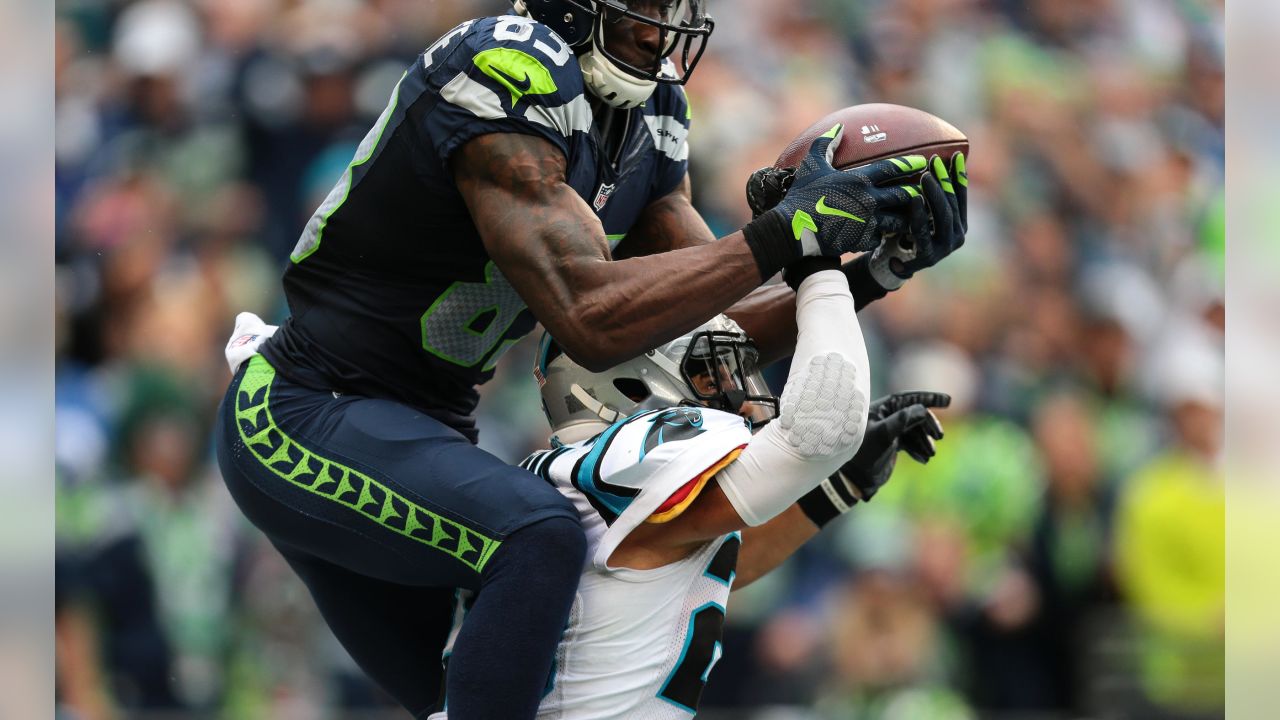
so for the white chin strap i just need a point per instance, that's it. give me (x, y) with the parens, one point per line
(610, 83)
(578, 432)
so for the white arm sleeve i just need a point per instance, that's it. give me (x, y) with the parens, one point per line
(823, 408)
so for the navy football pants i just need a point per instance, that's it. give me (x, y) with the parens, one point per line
(383, 512)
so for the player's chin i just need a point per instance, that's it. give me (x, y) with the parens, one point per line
(635, 56)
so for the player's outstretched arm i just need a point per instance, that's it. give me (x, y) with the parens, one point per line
(935, 227)
(825, 408)
(767, 314)
(900, 422)
(551, 247)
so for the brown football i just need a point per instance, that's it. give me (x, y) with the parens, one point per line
(876, 131)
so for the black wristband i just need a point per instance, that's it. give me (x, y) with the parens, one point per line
(796, 272)
(771, 242)
(864, 287)
(818, 506)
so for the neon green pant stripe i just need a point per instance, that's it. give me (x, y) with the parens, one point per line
(340, 484)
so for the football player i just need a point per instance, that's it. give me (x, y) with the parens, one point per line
(659, 457)
(527, 168)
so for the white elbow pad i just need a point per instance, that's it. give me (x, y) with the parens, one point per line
(824, 407)
(824, 415)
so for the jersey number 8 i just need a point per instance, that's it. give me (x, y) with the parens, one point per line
(470, 318)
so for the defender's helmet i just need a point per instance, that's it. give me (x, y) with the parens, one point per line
(581, 23)
(715, 366)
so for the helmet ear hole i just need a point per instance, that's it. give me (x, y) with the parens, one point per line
(634, 389)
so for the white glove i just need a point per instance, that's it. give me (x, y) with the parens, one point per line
(245, 340)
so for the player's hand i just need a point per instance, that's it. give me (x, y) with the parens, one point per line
(766, 187)
(832, 212)
(902, 421)
(936, 225)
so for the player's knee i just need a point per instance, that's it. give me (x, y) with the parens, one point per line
(562, 540)
(555, 548)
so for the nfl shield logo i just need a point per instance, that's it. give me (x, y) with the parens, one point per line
(602, 196)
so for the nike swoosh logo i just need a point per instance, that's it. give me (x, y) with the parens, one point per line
(519, 72)
(519, 87)
(824, 209)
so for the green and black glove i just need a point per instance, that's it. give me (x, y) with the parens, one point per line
(830, 212)
(936, 225)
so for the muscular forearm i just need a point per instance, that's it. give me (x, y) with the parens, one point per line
(609, 311)
(550, 246)
(768, 317)
(767, 314)
(766, 547)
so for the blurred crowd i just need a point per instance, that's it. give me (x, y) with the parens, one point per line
(1062, 556)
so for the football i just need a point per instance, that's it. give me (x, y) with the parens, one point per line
(879, 130)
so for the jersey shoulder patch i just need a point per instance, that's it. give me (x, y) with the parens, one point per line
(505, 74)
(632, 470)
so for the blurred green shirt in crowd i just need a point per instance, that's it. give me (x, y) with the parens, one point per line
(988, 482)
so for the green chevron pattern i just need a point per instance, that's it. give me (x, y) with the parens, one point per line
(343, 485)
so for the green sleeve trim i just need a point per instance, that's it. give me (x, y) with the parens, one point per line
(347, 176)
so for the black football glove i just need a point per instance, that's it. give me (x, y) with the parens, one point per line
(937, 222)
(766, 187)
(831, 212)
(901, 421)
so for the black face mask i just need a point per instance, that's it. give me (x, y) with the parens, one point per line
(682, 25)
(723, 371)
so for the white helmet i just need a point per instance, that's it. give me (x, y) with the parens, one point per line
(618, 83)
(716, 365)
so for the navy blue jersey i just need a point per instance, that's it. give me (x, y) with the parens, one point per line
(390, 289)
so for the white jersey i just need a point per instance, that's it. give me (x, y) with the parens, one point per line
(640, 644)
